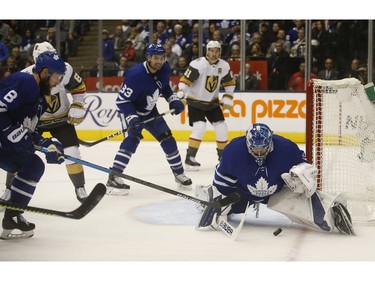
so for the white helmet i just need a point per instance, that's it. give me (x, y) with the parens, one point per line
(213, 44)
(41, 48)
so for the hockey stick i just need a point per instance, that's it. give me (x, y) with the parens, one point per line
(90, 202)
(232, 198)
(89, 144)
(228, 229)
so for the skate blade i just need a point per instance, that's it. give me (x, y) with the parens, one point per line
(184, 187)
(8, 235)
(117, 191)
(191, 168)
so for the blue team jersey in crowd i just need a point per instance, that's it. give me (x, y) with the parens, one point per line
(141, 89)
(20, 101)
(238, 171)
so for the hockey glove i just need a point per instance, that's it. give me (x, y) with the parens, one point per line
(76, 113)
(55, 153)
(227, 101)
(16, 138)
(134, 122)
(176, 104)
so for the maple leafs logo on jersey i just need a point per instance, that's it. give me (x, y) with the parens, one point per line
(262, 188)
(30, 123)
(152, 100)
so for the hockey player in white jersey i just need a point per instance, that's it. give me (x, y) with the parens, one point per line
(265, 168)
(60, 119)
(200, 85)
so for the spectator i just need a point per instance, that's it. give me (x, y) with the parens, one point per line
(256, 51)
(298, 49)
(18, 59)
(28, 41)
(192, 52)
(176, 48)
(138, 42)
(171, 57)
(329, 73)
(195, 32)
(13, 39)
(297, 80)
(4, 52)
(10, 66)
(126, 28)
(251, 82)
(4, 27)
(357, 71)
(119, 38)
(281, 38)
(129, 51)
(180, 38)
(108, 48)
(278, 68)
(181, 67)
(162, 32)
(122, 66)
(235, 53)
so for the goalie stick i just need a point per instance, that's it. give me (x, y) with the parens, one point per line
(230, 199)
(86, 207)
(89, 144)
(230, 230)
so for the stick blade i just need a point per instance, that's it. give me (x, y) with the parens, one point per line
(90, 203)
(230, 199)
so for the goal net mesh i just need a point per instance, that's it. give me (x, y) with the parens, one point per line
(340, 141)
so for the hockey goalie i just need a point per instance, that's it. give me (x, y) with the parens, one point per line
(265, 168)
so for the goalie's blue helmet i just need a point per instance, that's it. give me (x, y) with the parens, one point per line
(155, 49)
(51, 61)
(259, 142)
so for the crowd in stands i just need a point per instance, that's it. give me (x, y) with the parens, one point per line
(18, 37)
(338, 46)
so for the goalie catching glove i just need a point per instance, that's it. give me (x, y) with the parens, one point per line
(76, 113)
(301, 179)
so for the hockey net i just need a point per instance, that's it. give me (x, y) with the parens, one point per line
(340, 124)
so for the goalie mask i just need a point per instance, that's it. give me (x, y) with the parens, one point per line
(259, 142)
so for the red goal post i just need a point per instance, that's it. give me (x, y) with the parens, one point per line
(340, 141)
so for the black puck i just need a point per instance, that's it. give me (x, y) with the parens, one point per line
(277, 231)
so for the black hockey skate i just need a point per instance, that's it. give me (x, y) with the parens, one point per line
(191, 163)
(343, 220)
(116, 186)
(15, 226)
(183, 181)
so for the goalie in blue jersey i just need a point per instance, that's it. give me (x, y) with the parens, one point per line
(22, 102)
(144, 83)
(265, 168)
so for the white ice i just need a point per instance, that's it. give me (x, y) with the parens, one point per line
(155, 227)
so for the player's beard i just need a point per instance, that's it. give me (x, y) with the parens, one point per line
(44, 87)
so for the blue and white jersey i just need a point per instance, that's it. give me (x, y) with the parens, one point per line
(141, 89)
(238, 171)
(20, 101)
